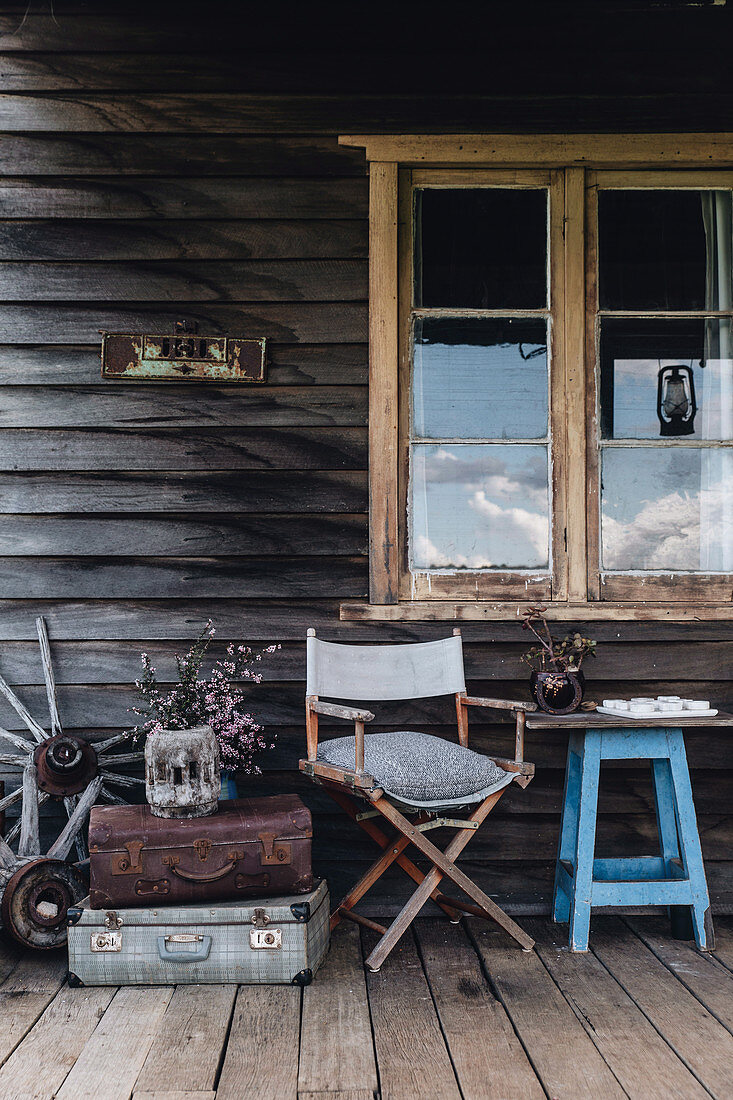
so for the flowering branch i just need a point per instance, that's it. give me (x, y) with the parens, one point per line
(213, 701)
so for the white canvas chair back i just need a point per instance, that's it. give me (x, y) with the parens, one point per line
(381, 672)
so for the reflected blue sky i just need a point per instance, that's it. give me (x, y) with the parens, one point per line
(480, 379)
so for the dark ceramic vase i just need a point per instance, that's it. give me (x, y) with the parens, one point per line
(557, 692)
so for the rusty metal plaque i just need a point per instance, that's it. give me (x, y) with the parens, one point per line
(183, 357)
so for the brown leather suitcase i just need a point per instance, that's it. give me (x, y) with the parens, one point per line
(253, 847)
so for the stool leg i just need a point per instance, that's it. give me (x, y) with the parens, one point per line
(568, 827)
(586, 841)
(664, 802)
(691, 851)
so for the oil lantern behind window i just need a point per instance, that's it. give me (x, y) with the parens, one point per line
(676, 405)
(182, 772)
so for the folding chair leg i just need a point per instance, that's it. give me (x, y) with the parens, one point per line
(443, 866)
(368, 879)
(403, 861)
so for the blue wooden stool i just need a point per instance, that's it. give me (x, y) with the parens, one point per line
(674, 878)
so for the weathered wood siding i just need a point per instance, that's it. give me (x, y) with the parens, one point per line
(155, 171)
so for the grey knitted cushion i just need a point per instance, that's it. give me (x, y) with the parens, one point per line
(419, 769)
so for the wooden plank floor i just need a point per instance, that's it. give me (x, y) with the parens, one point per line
(456, 1013)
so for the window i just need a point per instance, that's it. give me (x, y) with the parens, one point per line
(551, 376)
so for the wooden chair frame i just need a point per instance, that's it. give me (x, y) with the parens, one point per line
(351, 789)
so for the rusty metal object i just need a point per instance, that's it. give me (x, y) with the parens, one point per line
(37, 899)
(183, 356)
(36, 891)
(66, 765)
(273, 852)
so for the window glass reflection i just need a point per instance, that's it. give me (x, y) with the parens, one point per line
(667, 508)
(665, 249)
(479, 506)
(480, 379)
(648, 366)
(481, 248)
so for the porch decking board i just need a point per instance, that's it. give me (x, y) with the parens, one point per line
(704, 975)
(454, 1014)
(487, 1056)
(688, 1027)
(174, 1096)
(544, 1021)
(40, 1063)
(116, 1051)
(336, 1050)
(411, 1053)
(186, 1052)
(628, 1042)
(24, 996)
(261, 1057)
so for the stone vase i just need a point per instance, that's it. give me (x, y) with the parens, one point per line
(182, 775)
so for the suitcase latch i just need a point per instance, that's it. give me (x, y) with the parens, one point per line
(112, 921)
(202, 849)
(260, 918)
(265, 938)
(274, 851)
(129, 864)
(105, 941)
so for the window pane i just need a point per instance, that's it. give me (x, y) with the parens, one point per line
(479, 506)
(481, 248)
(667, 508)
(477, 379)
(667, 378)
(665, 249)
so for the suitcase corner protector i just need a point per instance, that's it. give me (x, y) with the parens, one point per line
(304, 977)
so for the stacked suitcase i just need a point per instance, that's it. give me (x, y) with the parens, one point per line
(224, 898)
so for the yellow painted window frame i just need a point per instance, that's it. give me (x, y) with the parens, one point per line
(582, 161)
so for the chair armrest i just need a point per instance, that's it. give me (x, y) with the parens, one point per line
(521, 767)
(335, 710)
(496, 704)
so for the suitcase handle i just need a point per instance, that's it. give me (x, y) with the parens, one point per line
(204, 876)
(201, 952)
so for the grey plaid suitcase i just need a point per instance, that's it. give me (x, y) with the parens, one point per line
(263, 941)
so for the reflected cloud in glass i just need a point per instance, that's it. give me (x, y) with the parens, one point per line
(479, 506)
(664, 508)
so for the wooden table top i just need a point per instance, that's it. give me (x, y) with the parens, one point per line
(591, 720)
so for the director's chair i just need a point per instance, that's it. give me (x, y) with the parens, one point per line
(406, 773)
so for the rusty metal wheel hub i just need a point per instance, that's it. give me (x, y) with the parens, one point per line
(37, 899)
(66, 765)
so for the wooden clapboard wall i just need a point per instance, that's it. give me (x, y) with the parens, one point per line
(158, 168)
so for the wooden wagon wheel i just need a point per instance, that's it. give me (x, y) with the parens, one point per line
(37, 890)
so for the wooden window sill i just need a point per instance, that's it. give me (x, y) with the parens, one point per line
(449, 610)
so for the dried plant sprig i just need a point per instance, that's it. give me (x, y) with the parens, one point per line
(212, 700)
(562, 654)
